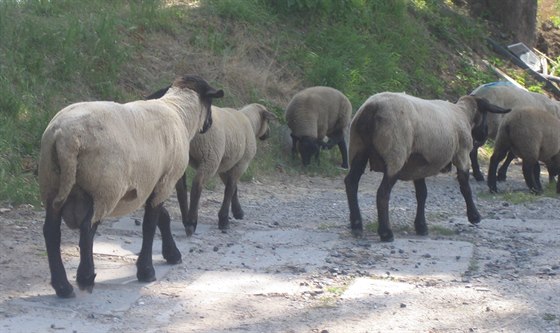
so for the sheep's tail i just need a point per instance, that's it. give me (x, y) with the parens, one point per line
(66, 154)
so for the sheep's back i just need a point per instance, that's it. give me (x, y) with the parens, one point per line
(224, 144)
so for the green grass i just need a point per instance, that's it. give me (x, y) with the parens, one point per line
(520, 197)
(54, 53)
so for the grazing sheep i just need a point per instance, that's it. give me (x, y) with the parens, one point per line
(101, 159)
(226, 149)
(533, 135)
(408, 138)
(506, 95)
(315, 113)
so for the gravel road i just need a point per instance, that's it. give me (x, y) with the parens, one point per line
(292, 266)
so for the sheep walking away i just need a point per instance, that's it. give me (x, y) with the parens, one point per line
(317, 113)
(533, 135)
(506, 95)
(408, 138)
(226, 149)
(101, 159)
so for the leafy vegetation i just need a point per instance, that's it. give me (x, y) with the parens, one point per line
(54, 53)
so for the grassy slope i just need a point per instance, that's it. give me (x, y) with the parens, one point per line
(56, 53)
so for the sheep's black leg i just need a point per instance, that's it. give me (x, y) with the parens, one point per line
(86, 269)
(472, 212)
(294, 146)
(502, 171)
(191, 220)
(183, 198)
(383, 195)
(145, 268)
(537, 177)
(236, 206)
(344, 153)
(421, 194)
(169, 249)
(352, 182)
(475, 165)
(529, 172)
(51, 233)
(494, 160)
(223, 214)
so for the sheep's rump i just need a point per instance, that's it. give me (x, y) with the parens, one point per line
(530, 133)
(117, 154)
(318, 112)
(409, 136)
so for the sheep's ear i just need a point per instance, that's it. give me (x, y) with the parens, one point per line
(268, 115)
(213, 93)
(159, 93)
(485, 106)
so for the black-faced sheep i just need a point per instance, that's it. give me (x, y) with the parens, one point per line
(408, 138)
(315, 113)
(533, 135)
(226, 149)
(101, 159)
(506, 95)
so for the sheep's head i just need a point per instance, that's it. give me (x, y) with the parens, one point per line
(204, 91)
(267, 117)
(480, 125)
(308, 147)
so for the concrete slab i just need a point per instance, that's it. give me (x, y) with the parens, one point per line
(439, 259)
(267, 250)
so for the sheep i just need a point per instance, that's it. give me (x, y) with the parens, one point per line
(533, 135)
(101, 159)
(315, 113)
(226, 149)
(507, 95)
(408, 138)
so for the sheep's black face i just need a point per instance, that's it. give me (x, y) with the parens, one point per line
(308, 148)
(480, 130)
(206, 93)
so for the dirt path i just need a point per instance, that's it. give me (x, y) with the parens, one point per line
(292, 266)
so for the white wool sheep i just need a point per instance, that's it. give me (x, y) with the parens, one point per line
(315, 113)
(533, 135)
(226, 149)
(101, 159)
(506, 95)
(408, 138)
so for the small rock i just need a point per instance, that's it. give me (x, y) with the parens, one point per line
(403, 305)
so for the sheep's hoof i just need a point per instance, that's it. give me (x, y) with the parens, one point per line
(65, 291)
(190, 229)
(493, 190)
(358, 233)
(537, 191)
(478, 177)
(421, 230)
(86, 283)
(474, 218)
(239, 215)
(173, 256)
(146, 274)
(501, 178)
(386, 236)
(223, 223)
(344, 166)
